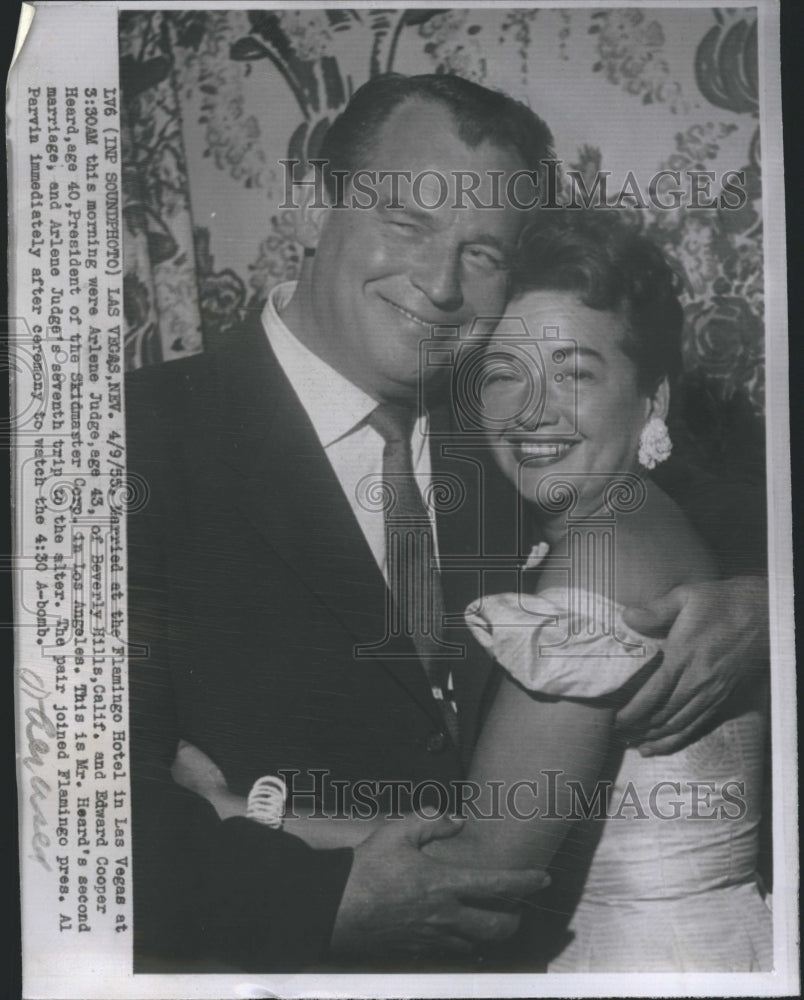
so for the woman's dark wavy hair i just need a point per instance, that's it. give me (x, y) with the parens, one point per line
(479, 114)
(612, 267)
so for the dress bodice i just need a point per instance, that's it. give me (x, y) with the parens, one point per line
(679, 830)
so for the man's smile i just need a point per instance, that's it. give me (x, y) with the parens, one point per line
(427, 324)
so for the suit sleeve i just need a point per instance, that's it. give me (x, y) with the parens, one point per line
(209, 895)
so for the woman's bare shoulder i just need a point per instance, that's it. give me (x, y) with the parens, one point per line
(656, 548)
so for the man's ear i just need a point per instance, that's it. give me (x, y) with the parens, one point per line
(311, 213)
(659, 403)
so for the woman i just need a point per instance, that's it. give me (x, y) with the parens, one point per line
(575, 402)
(671, 885)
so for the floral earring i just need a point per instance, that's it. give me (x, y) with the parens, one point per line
(655, 445)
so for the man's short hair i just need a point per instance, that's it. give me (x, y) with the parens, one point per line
(480, 115)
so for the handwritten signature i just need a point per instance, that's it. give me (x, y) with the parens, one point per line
(39, 726)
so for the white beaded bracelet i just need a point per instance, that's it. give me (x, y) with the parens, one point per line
(266, 801)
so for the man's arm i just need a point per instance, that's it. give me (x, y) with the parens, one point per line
(717, 633)
(206, 892)
(717, 642)
(232, 892)
(235, 892)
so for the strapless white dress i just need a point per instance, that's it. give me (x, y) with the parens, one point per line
(672, 884)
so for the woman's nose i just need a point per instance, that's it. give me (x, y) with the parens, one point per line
(537, 411)
(551, 413)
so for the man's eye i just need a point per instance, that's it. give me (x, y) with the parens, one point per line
(484, 258)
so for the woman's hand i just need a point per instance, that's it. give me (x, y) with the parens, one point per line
(195, 771)
(717, 640)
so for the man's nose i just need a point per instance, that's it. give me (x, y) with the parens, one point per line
(438, 276)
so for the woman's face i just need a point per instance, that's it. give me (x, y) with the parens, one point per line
(576, 411)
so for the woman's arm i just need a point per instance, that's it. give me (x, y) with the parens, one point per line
(527, 756)
(561, 745)
(533, 754)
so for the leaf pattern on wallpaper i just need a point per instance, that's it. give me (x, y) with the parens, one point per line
(726, 65)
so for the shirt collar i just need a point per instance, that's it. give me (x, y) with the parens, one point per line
(334, 405)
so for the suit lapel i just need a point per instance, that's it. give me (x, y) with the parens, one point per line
(460, 543)
(484, 524)
(292, 497)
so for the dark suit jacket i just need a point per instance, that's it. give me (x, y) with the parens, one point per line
(250, 584)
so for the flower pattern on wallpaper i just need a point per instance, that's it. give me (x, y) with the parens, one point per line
(164, 322)
(222, 294)
(279, 258)
(720, 251)
(454, 41)
(629, 46)
(233, 139)
(195, 74)
(516, 27)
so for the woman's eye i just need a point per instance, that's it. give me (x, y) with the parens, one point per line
(503, 377)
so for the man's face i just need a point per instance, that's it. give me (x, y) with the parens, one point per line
(383, 277)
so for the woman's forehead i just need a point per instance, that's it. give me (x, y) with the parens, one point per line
(556, 314)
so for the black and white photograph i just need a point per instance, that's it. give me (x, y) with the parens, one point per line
(404, 601)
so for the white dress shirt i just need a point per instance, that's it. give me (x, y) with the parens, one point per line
(338, 410)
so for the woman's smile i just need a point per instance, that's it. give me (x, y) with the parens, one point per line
(541, 451)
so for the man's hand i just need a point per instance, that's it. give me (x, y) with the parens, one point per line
(717, 640)
(398, 901)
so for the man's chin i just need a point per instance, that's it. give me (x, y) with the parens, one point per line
(396, 389)
(435, 386)
(408, 385)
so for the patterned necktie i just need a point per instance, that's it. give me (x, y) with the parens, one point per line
(413, 578)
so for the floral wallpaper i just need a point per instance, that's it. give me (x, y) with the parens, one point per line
(214, 99)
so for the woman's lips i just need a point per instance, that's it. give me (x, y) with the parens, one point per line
(548, 450)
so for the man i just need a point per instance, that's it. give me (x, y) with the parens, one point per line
(260, 580)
